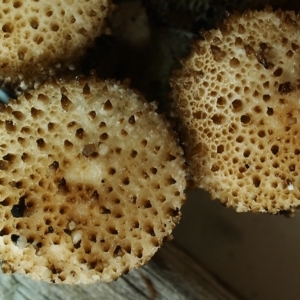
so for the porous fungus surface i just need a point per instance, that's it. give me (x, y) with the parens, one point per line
(40, 38)
(91, 181)
(237, 102)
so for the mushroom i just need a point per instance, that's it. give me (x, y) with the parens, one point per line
(92, 181)
(39, 39)
(237, 102)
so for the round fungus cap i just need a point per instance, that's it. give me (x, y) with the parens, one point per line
(92, 181)
(40, 38)
(237, 102)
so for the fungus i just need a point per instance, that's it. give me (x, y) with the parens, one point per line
(237, 102)
(92, 181)
(39, 39)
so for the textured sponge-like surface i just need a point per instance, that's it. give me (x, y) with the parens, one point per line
(40, 37)
(237, 101)
(91, 181)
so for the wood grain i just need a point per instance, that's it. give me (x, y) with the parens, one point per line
(170, 275)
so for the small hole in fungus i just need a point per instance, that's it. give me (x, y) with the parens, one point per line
(214, 168)
(18, 209)
(65, 102)
(113, 231)
(170, 157)
(40, 143)
(270, 111)
(118, 251)
(104, 136)
(240, 139)
(9, 126)
(131, 120)
(62, 186)
(34, 23)
(133, 153)
(38, 39)
(221, 101)
(292, 168)
(9, 157)
(218, 119)
(153, 170)
(170, 180)
(257, 109)
(246, 153)
(245, 119)
(86, 89)
(4, 231)
(146, 204)
(285, 88)
(104, 211)
(6, 201)
(80, 133)
(36, 113)
(4, 165)
(172, 212)
(54, 27)
(77, 245)
(68, 144)
(220, 149)
(126, 181)
(107, 105)
(139, 253)
(92, 114)
(144, 143)
(111, 171)
(54, 166)
(256, 181)
(17, 4)
(14, 238)
(274, 149)
(237, 105)
(234, 62)
(8, 28)
(278, 72)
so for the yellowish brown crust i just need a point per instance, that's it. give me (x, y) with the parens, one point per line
(237, 102)
(91, 181)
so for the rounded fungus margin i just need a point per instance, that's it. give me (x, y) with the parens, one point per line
(92, 180)
(236, 99)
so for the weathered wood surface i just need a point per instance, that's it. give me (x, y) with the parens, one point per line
(170, 275)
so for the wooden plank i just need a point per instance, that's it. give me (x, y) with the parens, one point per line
(170, 275)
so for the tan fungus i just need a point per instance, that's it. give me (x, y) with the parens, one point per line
(41, 38)
(91, 181)
(237, 102)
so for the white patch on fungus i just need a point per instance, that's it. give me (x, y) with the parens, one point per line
(72, 225)
(22, 242)
(76, 236)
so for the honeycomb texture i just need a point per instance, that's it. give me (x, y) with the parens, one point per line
(39, 38)
(237, 102)
(92, 181)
